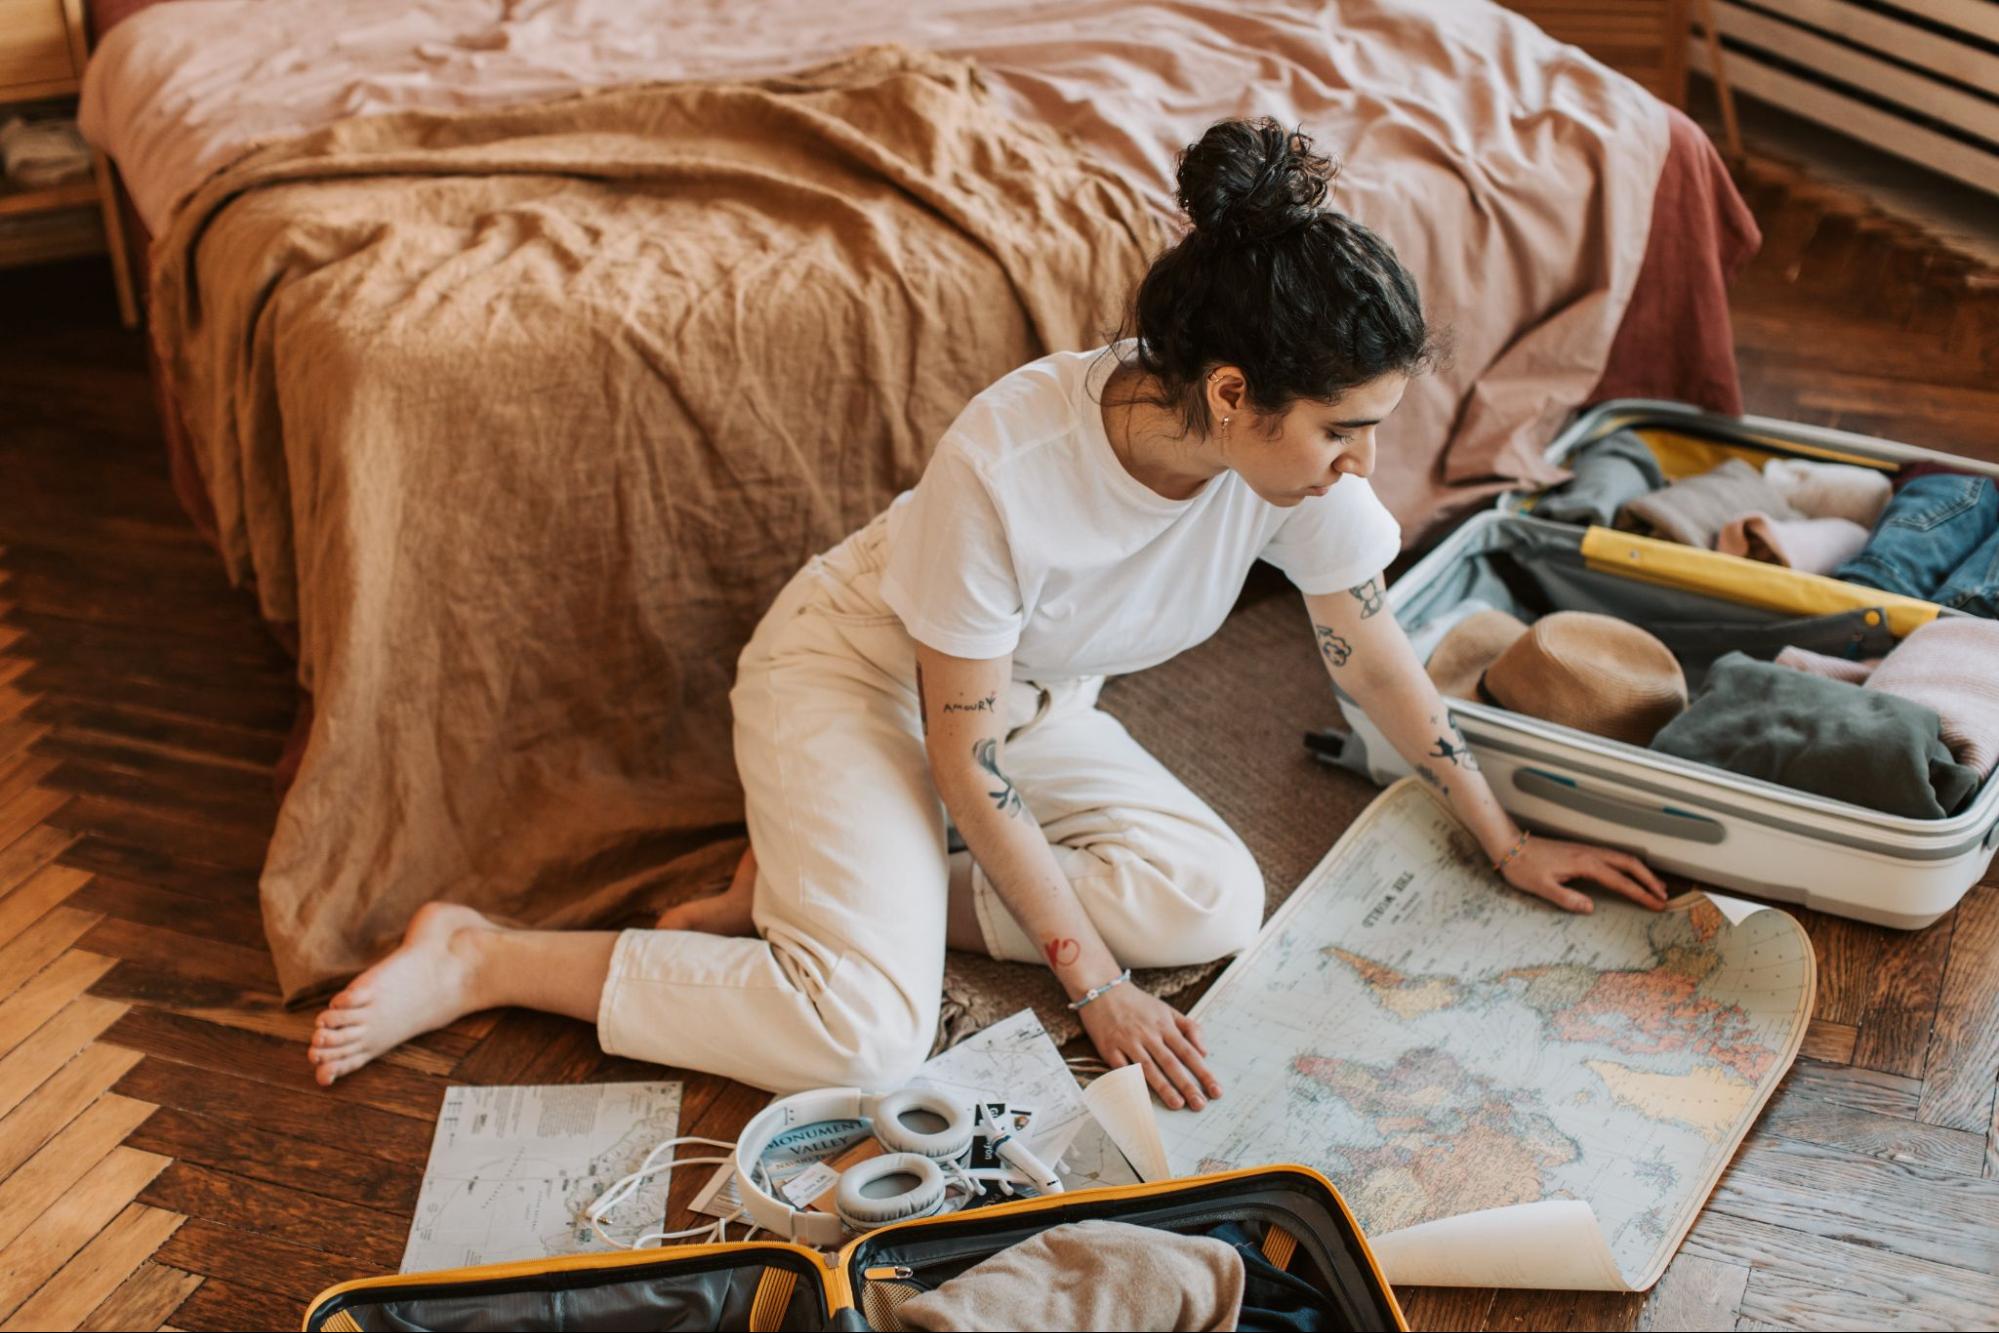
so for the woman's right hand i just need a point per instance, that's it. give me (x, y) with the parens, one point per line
(1129, 1025)
(1545, 867)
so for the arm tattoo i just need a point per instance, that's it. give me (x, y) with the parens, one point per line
(984, 705)
(1332, 647)
(1429, 775)
(1005, 797)
(1453, 748)
(1061, 951)
(1368, 595)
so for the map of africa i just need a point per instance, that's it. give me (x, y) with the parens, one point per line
(1437, 1043)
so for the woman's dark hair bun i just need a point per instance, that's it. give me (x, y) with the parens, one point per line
(1252, 180)
(1306, 301)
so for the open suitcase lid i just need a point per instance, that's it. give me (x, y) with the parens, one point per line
(566, 1293)
(1753, 433)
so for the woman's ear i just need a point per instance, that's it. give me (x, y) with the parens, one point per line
(1226, 391)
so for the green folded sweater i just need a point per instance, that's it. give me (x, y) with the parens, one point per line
(1822, 736)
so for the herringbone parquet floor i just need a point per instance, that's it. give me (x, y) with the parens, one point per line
(165, 1158)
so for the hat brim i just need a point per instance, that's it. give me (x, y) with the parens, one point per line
(1472, 645)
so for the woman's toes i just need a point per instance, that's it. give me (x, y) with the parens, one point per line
(347, 1064)
(329, 1068)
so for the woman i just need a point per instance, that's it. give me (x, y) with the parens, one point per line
(1089, 514)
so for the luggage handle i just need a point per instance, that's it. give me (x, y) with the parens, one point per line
(1644, 815)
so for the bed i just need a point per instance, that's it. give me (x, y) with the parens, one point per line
(1575, 234)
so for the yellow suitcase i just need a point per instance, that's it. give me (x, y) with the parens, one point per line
(1293, 1215)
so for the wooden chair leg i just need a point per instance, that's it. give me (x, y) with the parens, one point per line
(1731, 131)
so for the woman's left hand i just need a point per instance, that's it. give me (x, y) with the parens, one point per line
(1545, 866)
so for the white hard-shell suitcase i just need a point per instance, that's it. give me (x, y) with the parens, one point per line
(1688, 818)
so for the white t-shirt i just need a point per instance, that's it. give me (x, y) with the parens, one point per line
(1027, 536)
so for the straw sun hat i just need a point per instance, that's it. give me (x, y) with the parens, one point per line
(1595, 673)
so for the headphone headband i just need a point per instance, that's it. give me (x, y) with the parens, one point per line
(773, 1214)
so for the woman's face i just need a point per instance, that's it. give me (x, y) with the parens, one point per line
(1316, 443)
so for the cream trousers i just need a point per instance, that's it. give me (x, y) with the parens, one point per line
(855, 854)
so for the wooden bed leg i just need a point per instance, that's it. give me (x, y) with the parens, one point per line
(114, 239)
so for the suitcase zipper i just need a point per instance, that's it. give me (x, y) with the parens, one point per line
(985, 1244)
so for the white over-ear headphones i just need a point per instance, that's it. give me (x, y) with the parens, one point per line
(927, 1134)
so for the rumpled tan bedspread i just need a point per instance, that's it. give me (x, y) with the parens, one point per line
(1513, 174)
(524, 415)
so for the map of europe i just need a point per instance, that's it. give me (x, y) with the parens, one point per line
(1436, 1043)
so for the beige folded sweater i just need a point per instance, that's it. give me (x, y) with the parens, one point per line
(1097, 1275)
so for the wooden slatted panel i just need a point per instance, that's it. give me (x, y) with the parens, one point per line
(1977, 17)
(1950, 57)
(1889, 77)
(1903, 110)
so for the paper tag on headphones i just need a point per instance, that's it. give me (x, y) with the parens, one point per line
(809, 1184)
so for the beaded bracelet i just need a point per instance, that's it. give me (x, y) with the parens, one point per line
(1095, 991)
(1515, 850)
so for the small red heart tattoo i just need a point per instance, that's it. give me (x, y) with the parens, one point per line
(1061, 952)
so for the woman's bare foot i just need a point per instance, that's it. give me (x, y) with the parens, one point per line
(428, 982)
(724, 913)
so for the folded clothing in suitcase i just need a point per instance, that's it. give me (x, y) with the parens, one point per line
(1315, 1268)
(1715, 826)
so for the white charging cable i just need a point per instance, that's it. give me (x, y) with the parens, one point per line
(625, 1186)
(973, 1180)
(956, 1175)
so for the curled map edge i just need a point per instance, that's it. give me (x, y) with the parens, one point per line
(1558, 1242)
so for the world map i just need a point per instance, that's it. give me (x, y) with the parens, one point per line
(1437, 1043)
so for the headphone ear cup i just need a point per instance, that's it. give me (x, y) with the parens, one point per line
(948, 1144)
(920, 1194)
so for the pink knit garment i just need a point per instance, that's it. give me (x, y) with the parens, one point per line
(1950, 664)
(1833, 668)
